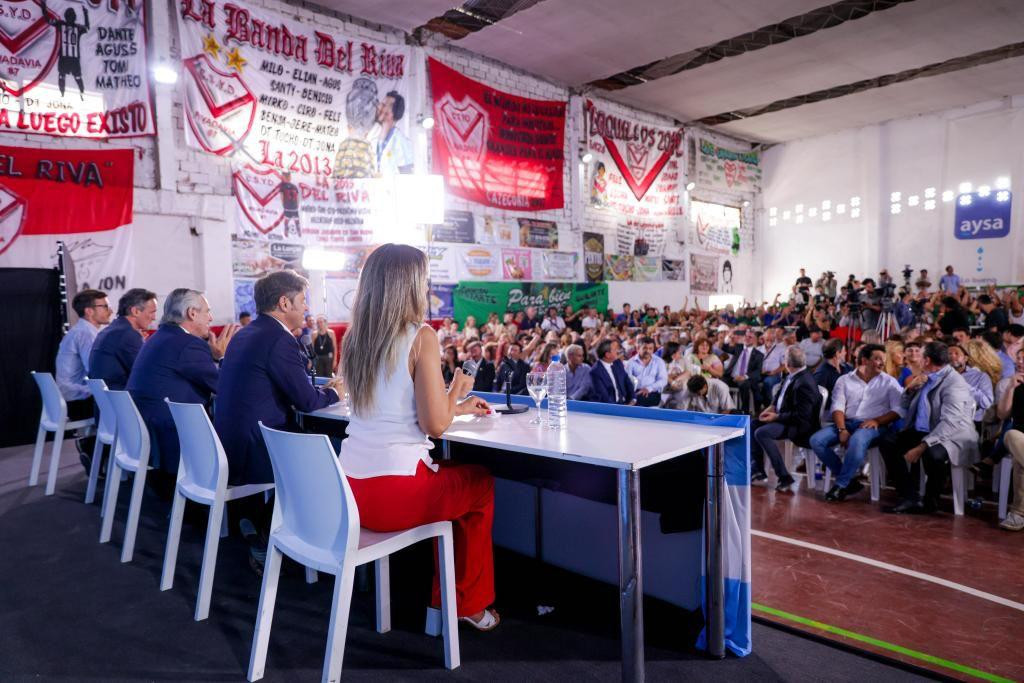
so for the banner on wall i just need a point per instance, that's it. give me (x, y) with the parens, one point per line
(983, 217)
(647, 268)
(672, 269)
(442, 263)
(497, 230)
(478, 263)
(457, 227)
(618, 268)
(81, 197)
(558, 265)
(495, 148)
(441, 301)
(726, 169)
(516, 264)
(266, 88)
(703, 274)
(717, 227)
(74, 69)
(593, 256)
(538, 234)
(479, 299)
(635, 177)
(256, 258)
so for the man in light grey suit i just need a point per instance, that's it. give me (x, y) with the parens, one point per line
(938, 430)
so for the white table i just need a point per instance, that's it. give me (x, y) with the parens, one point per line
(626, 444)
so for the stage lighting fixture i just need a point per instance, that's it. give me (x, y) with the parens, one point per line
(929, 204)
(840, 209)
(826, 215)
(895, 196)
(984, 191)
(799, 219)
(965, 200)
(812, 212)
(947, 196)
(895, 209)
(929, 193)
(773, 222)
(826, 205)
(965, 187)
(854, 201)
(1003, 183)
(913, 200)
(799, 208)
(774, 211)
(1003, 196)
(855, 212)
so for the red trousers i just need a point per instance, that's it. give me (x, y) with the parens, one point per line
(462, 494)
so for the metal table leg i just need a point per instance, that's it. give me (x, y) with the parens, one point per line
(714, 553)
(631, 593)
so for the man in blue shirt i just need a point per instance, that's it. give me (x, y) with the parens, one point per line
(1012, 337)
(93, 310)
(116, 347)
(650, 373)
(577, 386)
(950, 282)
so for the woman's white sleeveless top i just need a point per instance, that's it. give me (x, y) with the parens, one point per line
(387, 439)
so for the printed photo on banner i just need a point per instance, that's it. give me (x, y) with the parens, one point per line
(618, 268)
(255, 258)
(726, 169)
(557, 265)
(672, 269)
(725, 287)
(74, 69)
(593, 256)
(441, 260)
(479, 263)
(495, 148)
(538, 234)
(457, 227)
(647, 268)
(480, 299)
(81, 197)
(516, 264)
(266, 88)
(640, 238)
(703, 274)
(717, 227)
(495, 230)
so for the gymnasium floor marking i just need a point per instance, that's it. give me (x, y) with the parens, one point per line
(1006, 602)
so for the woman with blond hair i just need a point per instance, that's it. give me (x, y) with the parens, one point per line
(894, 358)
(984, 357)
(390, 363)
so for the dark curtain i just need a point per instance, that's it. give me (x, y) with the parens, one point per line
(29, 338)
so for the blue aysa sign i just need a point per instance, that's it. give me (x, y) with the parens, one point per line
(983, 217)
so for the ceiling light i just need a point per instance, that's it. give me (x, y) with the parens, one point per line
(947, 196)
(895, 208)
(690, 185)
(799, 208)
(826, 215)
(929, 204)
(427, 121)
(1003, 196)
(840, 209)
(855, 213)
(826, 205)
(799, 219)
(812, 212)
(785, 215)
(773, 222)
(964, 187)
(984, 191)
(854, 201)
(965, 200)
(895, 196)
(162, 73)
(1003, 183)
(746, 202)
(586, 157)
(774, 211)
(929, 193)
(913, 200)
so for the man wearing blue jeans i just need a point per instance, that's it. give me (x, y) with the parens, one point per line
(864, 403)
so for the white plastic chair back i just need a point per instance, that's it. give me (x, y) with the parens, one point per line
(823, 413)
(107, 427)
(202, 455)
(55, 408)
(313, 497)
(132, 434)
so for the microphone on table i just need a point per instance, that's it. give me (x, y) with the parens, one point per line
(306, 341)
(508, 367)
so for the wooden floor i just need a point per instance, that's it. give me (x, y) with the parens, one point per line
(942, 592)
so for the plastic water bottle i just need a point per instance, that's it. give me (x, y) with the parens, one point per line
(556, 379)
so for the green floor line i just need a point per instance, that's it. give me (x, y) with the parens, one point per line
(931, 659)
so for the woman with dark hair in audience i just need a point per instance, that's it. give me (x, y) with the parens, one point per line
(543, 359)
(398, 400)
(450, 363)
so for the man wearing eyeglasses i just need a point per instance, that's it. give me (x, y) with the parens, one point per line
(93, 310)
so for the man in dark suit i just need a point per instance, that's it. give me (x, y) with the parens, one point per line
(609, 382)
(177, 362)
(263, 376)
(513, 370)
(114, 351)
(744, 369)
(793, 415)
(484, 380)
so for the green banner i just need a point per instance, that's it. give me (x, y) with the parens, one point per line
(479, 299)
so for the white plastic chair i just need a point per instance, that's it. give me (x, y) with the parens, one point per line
(788, 452)
(202, 478)
(316, 523)
(53, 418)
(131, 454)
(106, 435)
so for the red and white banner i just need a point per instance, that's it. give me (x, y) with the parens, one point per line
(74, 69)
(81, 197)
(635, 177)
(268, 89)
(494, 148)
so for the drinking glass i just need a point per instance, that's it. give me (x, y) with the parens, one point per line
(536, 384)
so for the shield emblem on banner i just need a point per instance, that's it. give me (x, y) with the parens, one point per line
(635, 166)
(12, 217)
(28, 45)
(219, 106)
(463, 125)
(258, 192)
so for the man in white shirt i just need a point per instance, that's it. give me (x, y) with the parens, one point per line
(978, 382)
(650, 373)
(591, 321)
(864, 403)
(552, 321)
(813, 346)
(703, 396)
(774, 353)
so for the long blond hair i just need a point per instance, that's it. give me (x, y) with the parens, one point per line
(984, 357)
(891, 366)
(392, 293)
